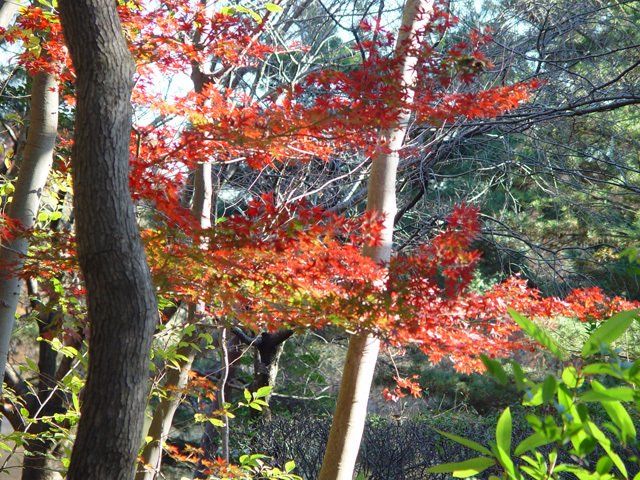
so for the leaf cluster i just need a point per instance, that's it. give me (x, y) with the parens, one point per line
(577, 433)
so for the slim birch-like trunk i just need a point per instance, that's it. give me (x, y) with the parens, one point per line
(351, 409)
(36, 164)
(177, 378)
(8, 10)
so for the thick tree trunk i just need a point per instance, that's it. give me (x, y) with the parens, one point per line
(121, 299)
(36, 163)
(351, 408)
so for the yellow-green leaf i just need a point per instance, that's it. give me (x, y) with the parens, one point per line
(464, 469)
(609, 331)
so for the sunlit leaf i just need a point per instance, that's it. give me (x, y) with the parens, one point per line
(538, 334)
(609, 331)
(464, 469)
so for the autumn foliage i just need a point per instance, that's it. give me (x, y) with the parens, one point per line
(282, 263)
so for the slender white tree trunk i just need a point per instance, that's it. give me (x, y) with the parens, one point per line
(36, 163)
(351, 409)
(8, 10)
(177, 379)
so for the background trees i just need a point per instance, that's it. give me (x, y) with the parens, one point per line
(557, 187)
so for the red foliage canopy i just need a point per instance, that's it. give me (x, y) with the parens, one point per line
(295, 264)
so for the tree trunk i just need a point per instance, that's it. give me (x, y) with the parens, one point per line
(266, 364)
(211, 437)
(121, 299)
(351, 408)
(8, 10)
(177, 380)
(43, 451)
(36, 163)
(42, 454)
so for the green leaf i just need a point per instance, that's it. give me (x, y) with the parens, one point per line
(570, 378)
(565, 399)
(533, 396)
(257, 17)
(503, 432)
(247, 395)
(538, 334)
(467, 443)
(604, 465)
(518, 375)
(251, 460)
(494, 368)
(289, 466)
(464, 469)
(549, 388)
(57, 286)
(631, 253)
(622, 420)
(216, 422)
(605, 443)
(32, 364)
(600, 369)
(623, 394)
(43, 216)
(609, 331)
(262, 392)
(272, 7)
(531, 442)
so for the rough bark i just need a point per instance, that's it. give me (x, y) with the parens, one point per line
(121, 299)
(36, 163)
(351, 408)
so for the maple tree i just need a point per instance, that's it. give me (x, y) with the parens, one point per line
(288, 263)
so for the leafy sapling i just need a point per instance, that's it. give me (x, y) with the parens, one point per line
(572, 432)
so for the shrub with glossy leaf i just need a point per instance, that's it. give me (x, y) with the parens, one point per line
(573, 430)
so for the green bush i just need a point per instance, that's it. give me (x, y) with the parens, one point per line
(573, 431)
